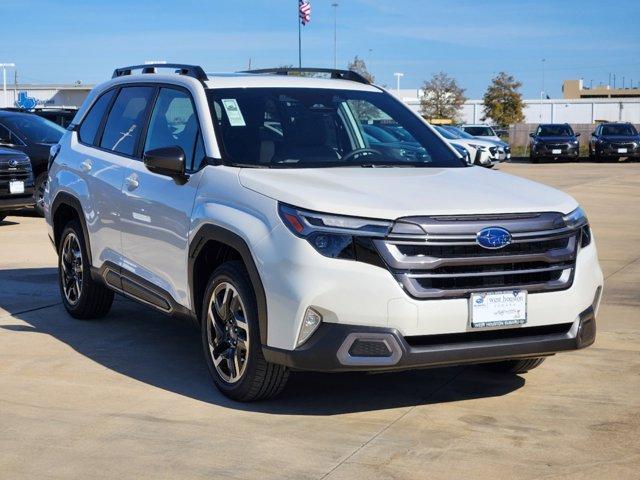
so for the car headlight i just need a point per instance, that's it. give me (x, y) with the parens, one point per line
(331, 235)
(576, 218)
(576, 142)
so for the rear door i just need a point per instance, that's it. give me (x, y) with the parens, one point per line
(107, 142)
(157, 214)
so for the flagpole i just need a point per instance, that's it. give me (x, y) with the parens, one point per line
(299, 34)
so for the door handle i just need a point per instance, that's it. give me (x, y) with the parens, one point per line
(86, 166)
(132, 181)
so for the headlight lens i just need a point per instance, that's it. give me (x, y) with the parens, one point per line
(575, 219)
(333, 236)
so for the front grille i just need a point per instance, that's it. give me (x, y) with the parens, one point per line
(9, 175)
(446, 261)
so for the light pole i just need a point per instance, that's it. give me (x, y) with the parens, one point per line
(4, 79)
(542, 91)
(335, 34)
(398, 76)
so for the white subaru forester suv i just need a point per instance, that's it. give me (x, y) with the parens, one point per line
(253, 205)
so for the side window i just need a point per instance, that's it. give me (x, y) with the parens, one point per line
(174, 123)
(91, 122)
(126, 120)
(198, 155)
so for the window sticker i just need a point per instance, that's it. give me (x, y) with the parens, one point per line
(233, 112)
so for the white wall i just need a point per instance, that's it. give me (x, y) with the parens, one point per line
(54, 96)
(550, 111)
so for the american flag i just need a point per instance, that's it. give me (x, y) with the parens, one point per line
(305, 12)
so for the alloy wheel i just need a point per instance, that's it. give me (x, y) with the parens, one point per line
(228, 332)
(40, 194)
(71, 262)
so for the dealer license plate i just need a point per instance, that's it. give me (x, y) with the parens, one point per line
(622, 150)
(556, 151)
(498, 309)
(16, 187)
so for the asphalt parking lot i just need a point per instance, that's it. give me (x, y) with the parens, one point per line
(130, 397)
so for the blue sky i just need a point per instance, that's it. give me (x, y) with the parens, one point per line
(56, 41)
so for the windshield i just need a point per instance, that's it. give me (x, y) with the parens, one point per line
(34, 129)
(619, 130)
(482, 131)
(312, 128)
(555, 131)
(457, 131)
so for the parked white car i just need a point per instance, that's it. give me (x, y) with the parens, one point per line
(481, 131)
(253, 205)
(482, 152)
(504, 151)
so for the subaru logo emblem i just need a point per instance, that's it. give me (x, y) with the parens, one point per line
(493, 238)
(13, 163)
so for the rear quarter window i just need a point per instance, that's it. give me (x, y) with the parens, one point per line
(91, 122)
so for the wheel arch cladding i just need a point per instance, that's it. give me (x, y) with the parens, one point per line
(64, 208)
(212, 246)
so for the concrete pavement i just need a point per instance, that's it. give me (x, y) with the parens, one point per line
(129, 396)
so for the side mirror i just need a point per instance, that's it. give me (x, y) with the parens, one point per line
(578, 134)
(532, 135)
(593, 134)
(168, 161)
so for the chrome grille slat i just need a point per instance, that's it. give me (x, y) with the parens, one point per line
(488, 273)
(446, 262)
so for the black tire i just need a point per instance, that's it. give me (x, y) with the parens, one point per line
(533, 158)
(516, 366)
(93, 300)
(38, 193)
(2, 217)
(257, 379)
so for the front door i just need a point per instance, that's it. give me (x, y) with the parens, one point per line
(157, 216)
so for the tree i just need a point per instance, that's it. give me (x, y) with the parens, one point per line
(442, 97)
(360, 67)
(364, 110)
(502, 100)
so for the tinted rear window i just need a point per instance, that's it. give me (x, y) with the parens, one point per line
(91, 122)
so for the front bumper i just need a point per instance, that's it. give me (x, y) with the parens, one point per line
(17, 201)
(350, 293)
(612, 151)
(571, 151)
(336, 347)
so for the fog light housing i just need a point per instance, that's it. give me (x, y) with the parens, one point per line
(310, 324)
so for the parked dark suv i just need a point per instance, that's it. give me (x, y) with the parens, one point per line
(614, 141)
(16, 181)
(554, 141)
(34, 136)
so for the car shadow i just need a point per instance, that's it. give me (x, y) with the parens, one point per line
(165, 352)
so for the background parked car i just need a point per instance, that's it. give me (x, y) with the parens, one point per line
(33, 135)
(481, 131)
(16, 181)
(554, 141)
(504, 151)
(614, 141)
(60, 116)
(482, 152)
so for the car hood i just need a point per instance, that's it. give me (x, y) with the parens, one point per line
(390, 193)
(481, 142)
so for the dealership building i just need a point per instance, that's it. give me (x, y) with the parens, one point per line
(31, 96)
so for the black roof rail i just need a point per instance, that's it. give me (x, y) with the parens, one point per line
(335, 74)
(189, 70)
